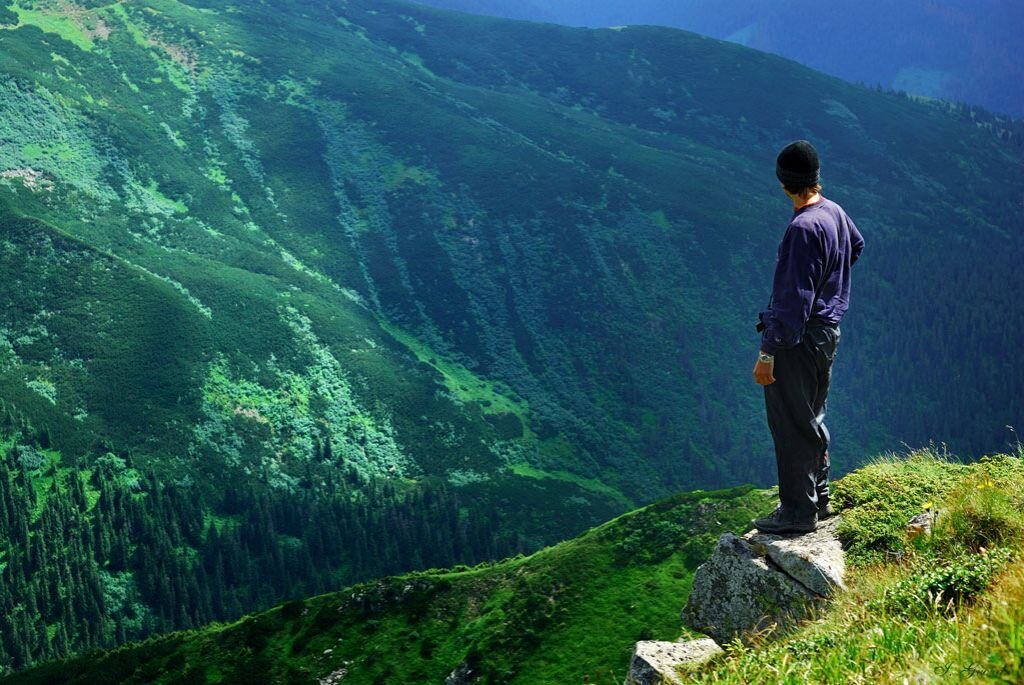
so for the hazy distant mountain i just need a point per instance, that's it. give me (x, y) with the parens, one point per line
(963, 50)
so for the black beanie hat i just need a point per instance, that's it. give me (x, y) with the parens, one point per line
(797, 165)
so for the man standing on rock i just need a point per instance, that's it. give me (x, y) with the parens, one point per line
(800, 332)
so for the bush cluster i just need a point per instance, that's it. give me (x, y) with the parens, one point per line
(945, 587)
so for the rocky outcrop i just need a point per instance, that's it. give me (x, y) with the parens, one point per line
(815, 560)
(334, 677)
(738, 592)
(760, 583)
(658, 663)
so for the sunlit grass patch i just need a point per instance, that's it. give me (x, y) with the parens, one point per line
(494, 397)
(64, 19)
(592, 484)
(878, 499)
(944, 608)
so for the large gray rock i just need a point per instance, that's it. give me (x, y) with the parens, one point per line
(741, 590)
(815, 559)
(657, 663)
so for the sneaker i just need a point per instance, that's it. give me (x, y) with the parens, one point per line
(826, 511)
(780, 522)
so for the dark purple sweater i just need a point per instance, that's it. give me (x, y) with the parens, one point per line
(812, 273)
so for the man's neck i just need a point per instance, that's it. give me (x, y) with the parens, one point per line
(800, 203)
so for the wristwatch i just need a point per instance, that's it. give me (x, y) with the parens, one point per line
(766, 358)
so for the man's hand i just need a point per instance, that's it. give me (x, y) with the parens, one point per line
(764, 372)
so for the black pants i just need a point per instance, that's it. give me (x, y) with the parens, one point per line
(795, 405)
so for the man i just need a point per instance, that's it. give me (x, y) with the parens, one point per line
(800, 332)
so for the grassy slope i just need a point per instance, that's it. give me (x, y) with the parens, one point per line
(949, 608)
(127, 343)
(570, 613)
(562, 614)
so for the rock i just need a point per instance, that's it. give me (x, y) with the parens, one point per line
(815, 559)
(739, 591)
(922, 524)
(462, 675)
(656, 662)
(334, 677)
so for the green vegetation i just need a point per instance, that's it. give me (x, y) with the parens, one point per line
(945, 607)
(591, 484)
(460, 381)
(568, 613)
(96, 556)
(509, 268)
(162, 200)
(942, 608)
(51, 19)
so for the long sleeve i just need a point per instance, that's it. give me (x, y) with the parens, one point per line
(799, 266)
(856, 243)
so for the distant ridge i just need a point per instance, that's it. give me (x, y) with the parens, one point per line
(954, 49)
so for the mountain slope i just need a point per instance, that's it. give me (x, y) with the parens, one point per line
(564, 614)
(580, 223)
(570, 613)
(496, 277)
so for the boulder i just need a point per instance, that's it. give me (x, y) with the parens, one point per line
(760, 583)
(657, 663)
(815, 559)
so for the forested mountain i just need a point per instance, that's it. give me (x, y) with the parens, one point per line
(961, 50)
(361, 287)
(102, 556)
(566, 614)
(572, 612)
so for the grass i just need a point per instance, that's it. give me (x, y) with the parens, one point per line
(401, 173)
(55, 23)
(134, 31)
(944, 608)
(591, 484)
(493, 397)
(164, 201)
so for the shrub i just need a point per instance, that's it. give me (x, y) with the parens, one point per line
(877, 501)
(984, 511)
(945, 587)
